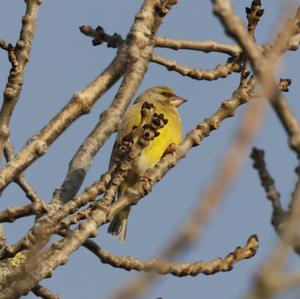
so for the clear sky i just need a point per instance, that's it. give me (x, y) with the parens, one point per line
(64, 61)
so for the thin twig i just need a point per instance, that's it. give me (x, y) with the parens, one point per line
(204, 46)
(220, 71)
(21, 180)
(43, 292)
(182, 269)
(253, 13)
(11, 214)
(279, 215)
(21, 52)
(4, 45)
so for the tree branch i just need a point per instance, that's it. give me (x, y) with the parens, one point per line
(11, 214)
(21, 52)
(279, 216)
(184, 269)
(43, 292)
(204, 46)
(220, 71)
(262, 66)
(21, 180)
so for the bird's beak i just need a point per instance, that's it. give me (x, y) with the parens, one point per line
(178, 101)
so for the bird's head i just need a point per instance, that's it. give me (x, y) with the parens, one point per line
(162, 94)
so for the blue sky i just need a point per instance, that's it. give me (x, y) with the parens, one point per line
(64, 61)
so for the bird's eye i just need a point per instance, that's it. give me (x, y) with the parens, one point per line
(166, 94)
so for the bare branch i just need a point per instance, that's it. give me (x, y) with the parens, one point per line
(47, 224)
(16, 76)
(115, 41)
(271, 278)
(43, 292)
(253, 13)
(279, 216)
(5, 46)
(11, 214)
(184, 269)
(204, 46)
(261, 66)
(220, 71)
(21, 180)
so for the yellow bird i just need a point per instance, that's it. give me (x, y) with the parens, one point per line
(165, 101)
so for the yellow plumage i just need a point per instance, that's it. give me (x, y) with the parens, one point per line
(165, 101)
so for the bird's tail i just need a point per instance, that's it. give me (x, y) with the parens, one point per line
(118, 225)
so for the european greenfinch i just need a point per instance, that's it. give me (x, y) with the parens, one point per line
(165, 101)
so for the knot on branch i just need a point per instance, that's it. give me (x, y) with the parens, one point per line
(40, 147)
(165, 7)
(284, 84)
